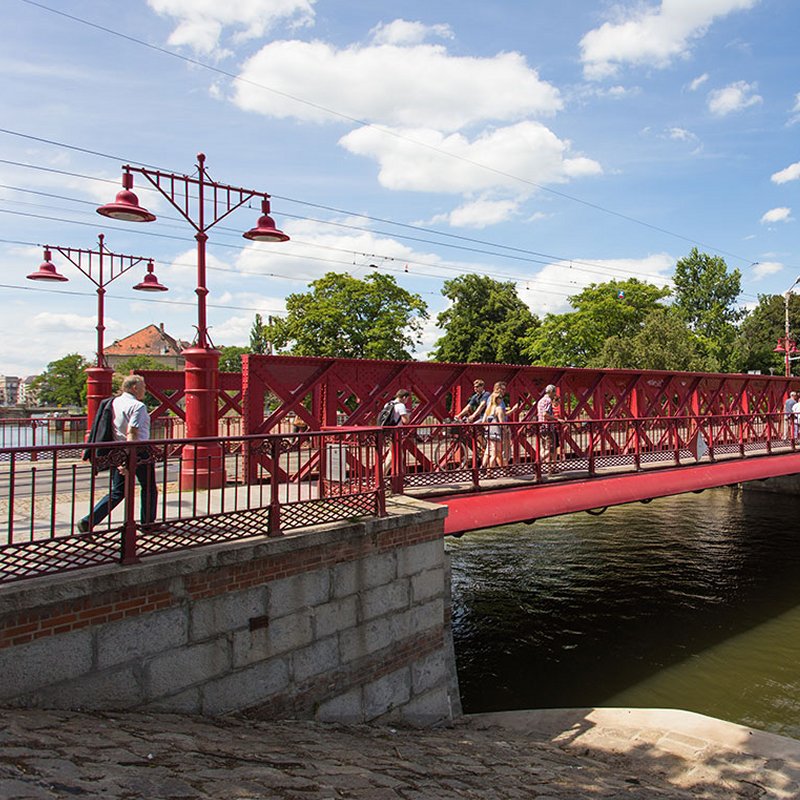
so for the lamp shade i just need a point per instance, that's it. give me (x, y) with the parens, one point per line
(150, 282)
(265, 229)
(126, 205)
(47, 271)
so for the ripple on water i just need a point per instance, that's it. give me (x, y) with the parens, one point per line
(689, 602)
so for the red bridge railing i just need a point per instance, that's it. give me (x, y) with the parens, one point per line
(277, 483)
(45, 492)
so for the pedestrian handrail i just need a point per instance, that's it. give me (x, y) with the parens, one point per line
(52, 430)
(304, 479)
(274, 483)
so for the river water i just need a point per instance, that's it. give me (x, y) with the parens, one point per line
(688, 602)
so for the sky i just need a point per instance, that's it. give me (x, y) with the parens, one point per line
(550, 144)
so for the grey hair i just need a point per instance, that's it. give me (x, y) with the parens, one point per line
(131, 382)
(551, 387)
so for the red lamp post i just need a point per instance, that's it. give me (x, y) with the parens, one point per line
(786, 344)
(203, 464)
(93, 264)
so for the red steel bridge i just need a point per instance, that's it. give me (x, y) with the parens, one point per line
(301, 448)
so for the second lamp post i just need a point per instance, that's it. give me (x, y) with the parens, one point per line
(100, 266)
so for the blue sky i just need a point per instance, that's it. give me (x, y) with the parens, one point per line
(553, 144)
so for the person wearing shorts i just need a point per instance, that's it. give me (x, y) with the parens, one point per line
(549, 429)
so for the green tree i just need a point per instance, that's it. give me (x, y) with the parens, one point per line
(136, 363)
(63, 383)
(344, 317)
(663, 342)
(485, 322)
(230, 359)
(602, 310)
(705, 294)
(259, 337)
(758, 334)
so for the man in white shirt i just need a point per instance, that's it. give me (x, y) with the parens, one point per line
(131, 424)
(796, 417)
(401, 415)
(548, 431)
(788, 410)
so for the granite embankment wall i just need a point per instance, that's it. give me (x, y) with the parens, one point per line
(341, 623)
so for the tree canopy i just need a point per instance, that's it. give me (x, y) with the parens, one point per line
(63, 383)
(663, 342)
(602, 310)
(758, 334)
(230, 359)
(135, 363)
(486, 322)
(345, 317)
(259, 337)
(705, 294)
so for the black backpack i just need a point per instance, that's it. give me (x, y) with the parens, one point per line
(386, 416)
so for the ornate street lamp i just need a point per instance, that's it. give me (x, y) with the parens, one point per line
(100, 266)
(787, 345)
(203, 464)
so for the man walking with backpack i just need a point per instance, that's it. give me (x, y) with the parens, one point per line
(394, 413)
(131, 423)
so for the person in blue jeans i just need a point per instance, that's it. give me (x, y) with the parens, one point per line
(131, 424)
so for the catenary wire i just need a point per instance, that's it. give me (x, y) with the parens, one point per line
(364, 123)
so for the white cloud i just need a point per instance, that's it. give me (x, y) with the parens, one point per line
(547, 291)
(777, 215)
(392, 85)
(456, 164)
(235, 329)
(698, 82)
(49, 322)
(404, 32)
(652, 36)
(764, 268)
(201, 23)
(478, 214)
(734, 97)
(316, 248)
(430, 335)
(681, 135)
(795, 110)
(790, 173)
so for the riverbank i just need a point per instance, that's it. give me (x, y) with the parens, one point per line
(550, 755)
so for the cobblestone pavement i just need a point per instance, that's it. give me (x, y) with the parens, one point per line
(51, 754)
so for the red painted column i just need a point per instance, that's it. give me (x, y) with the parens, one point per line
(98, 387)
(203, 464)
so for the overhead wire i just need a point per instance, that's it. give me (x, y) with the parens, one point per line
(364, 123)
(573, 264)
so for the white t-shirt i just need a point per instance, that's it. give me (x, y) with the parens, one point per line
(130, 413)
(399, 411)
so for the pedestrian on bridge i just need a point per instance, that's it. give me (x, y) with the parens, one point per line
(788, 410)
(476, 405)
(131, 422)
(795, 420)
(548, 431)
(400, 415)
(495, 413)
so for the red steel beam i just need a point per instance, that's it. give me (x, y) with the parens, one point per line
(476, 510)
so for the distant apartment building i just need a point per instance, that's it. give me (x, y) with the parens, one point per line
(152, 341)
(9, 390)
(27, 394)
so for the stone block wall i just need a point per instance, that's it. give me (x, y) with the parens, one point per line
(343, 623)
